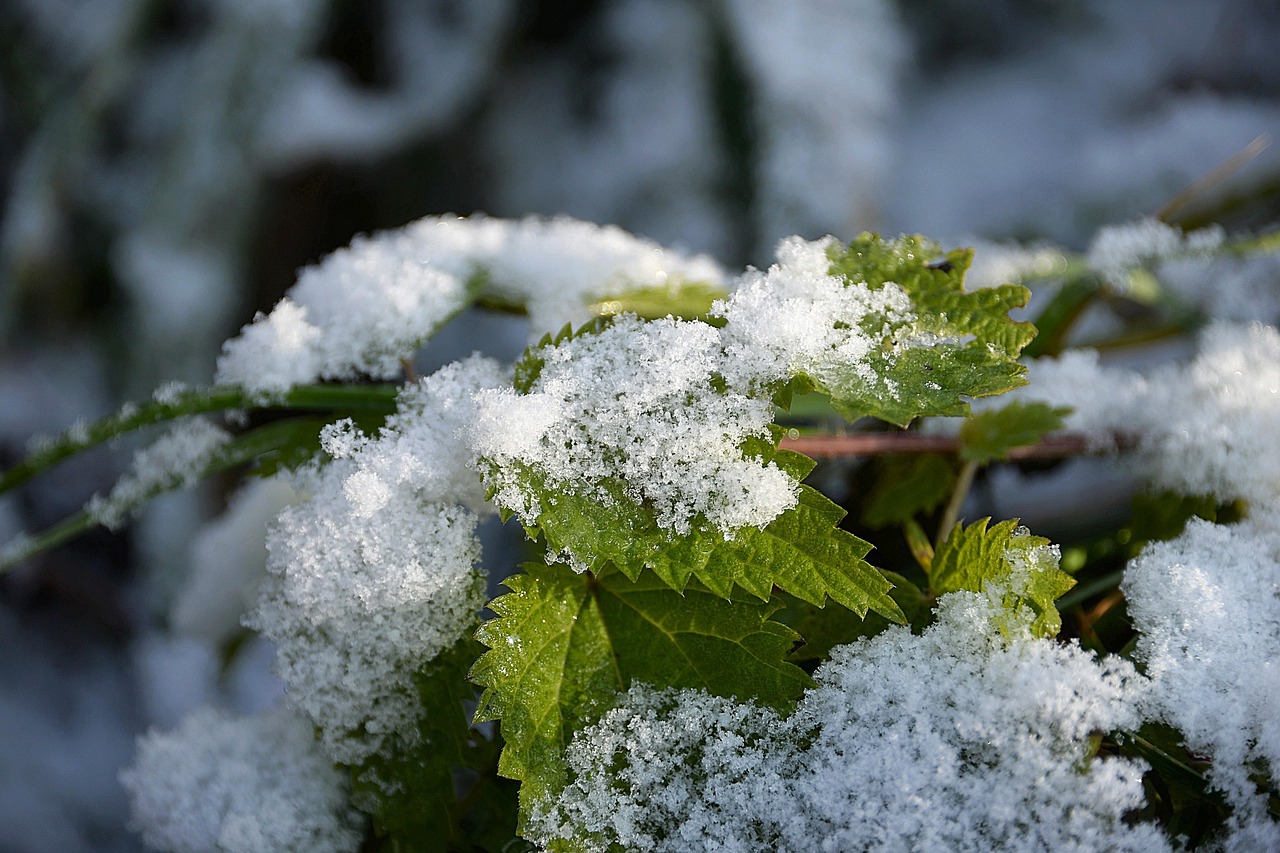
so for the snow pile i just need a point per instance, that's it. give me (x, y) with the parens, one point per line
(1208, 614)
(366, 307)
(373, 575)
(239, 785)
(963, 738)
(663, 408)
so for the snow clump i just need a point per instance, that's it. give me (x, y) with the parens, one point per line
(364, 308)
(970, 736)
(1206, 608)
(239, 785)
(374, 574)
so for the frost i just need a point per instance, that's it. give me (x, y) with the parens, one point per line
(366, 307)
(1208, 614)
(373, 576)
(960, 739)
(178, 457)
(239, 785)
(635, 403)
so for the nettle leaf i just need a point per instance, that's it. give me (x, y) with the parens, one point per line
(824, 628)
(1007, 557)
(990, 435)
(908, 484)
(691, 300)
(959, 345)
(409, 790)
(564, 644)
(801, 552)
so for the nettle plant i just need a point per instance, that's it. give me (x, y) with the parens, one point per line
(704, 651)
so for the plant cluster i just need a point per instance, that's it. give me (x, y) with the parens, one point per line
(704, 650)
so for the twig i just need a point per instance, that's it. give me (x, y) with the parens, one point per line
(1215, 176)
(878, 443)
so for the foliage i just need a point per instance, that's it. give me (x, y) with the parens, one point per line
(665, 574)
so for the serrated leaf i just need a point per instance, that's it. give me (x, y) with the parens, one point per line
(690, 300)
(1006, 557)
(564, 644)
(990, 435)
(959, 345)
(414, 811)
(824, 628)
(801, 552)
(529, 366)
(907, 485)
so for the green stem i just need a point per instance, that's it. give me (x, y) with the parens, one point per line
(949, 515)
(252, 445)
(370, 398)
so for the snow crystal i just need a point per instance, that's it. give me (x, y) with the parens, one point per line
(365, 307)
(964, 738)
(373, 575)
(177, 458)
(635, 403)
(1118, 249)
(239, 785)
(1208, 614)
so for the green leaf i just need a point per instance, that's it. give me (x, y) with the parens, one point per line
(908, 484)
(959, 344)
(415, 812)
(564, 644)
(529, 366)
(690, 300)
(824, 628)
(1006, 556)
(801, 552)
(990, 435)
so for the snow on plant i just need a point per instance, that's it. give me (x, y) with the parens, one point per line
(966, 737)
(703, 654)
(236, 785)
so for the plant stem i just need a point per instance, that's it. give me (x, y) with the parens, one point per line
(374, 398)
(952, 511)
(878, 443)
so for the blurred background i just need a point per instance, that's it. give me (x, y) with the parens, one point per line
(167, 165)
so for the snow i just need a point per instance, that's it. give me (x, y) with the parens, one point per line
(634, 405)
(1207, 610)
(365, 308)
(177, 458)
(239, 785)
(374, 573)
(1201, 428)
(971, 736)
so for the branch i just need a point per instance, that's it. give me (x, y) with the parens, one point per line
(877, 443)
